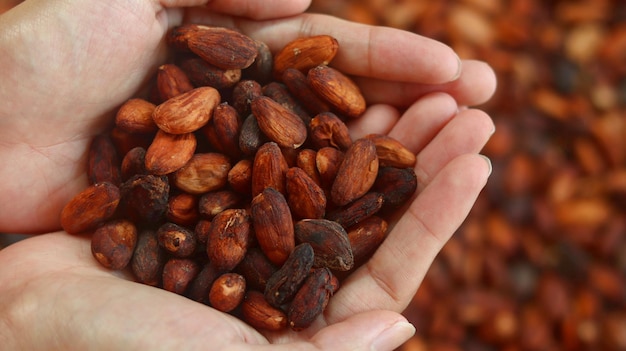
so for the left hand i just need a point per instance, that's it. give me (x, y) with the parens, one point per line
(70, 64)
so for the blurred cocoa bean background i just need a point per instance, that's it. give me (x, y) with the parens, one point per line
(540, 263)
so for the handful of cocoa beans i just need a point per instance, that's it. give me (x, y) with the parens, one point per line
(237, 184)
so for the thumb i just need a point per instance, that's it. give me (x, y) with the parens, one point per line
(372, 330)
(253, 9)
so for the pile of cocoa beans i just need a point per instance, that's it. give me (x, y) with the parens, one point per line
(236, 182)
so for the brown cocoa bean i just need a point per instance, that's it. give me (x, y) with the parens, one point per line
(169, 152)
(203, 173)
(273, 225)
(306, 199)
(279, 93)
(327, 161)
(113, 243)
(260, 314)
(104, 164)
(227, 292)
(366, 236)
(199, 288)
(178, 273)
(278, 123)
(256, 268)
(299, 87)
(397, 185)
(223, 130)
(134, 163)
(328, 130)
(144, 198)
(243, 93)
(282, 286)
(177, 240)
(135, 116)
(358, 210)
(356, 174)
(229, 238)
(182, 209)
(215, 202)
(148, 259)
(240, 177)
(268, 169)
(329, 241)
(311, 299)
(89, 208)
(171, 81)
(204, 74)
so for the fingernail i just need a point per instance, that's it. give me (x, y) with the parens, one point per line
(488, 163)
(459, 69)
(392, 337)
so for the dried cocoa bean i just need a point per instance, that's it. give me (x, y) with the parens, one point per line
(144, 198)
(215, 202)
(311, 299)
(227, 292)
(305, 198)
(177, 240)
(229, 238)
(90, 208)
(273, 225)
(329, 241)
(113, 243)
(182, 209)
(148, 259)
(256, 268)
(360, 209)
(260, 314)
(103, 161)
(178, 273)
(282, 286)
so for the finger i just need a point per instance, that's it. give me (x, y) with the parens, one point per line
(467, 132)
(423, 120)
(259, 9)
(378, 52)
(415, 128)
(391, 277)
(475, 86)
(373, 330)
(376, 119)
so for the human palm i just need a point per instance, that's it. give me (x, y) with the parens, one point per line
(69, 79)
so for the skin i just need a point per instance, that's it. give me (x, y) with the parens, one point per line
(72, 63)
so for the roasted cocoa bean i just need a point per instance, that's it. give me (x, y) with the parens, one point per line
(285, 282)
(311, 299)
(178, 273)
(177, 240)
(260, 314)
(227, 292)
(329, 241)
(273, 225)
(113, 243)
(148, 259)
(229, 238)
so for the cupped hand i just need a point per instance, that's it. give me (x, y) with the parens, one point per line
(66, 66)
(56, 293)
(70, 64)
